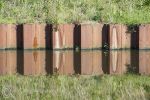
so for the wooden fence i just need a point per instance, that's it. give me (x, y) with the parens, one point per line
(74, 36)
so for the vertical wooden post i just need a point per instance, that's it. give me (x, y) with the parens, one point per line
(34, 36)
(58, 37)
(68, 35)
(97, 35)
(144, 36)
(11, 31)
(86, 36)
(30, 36)
(120, 37)
(8, 36)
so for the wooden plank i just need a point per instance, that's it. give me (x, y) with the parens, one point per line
(11, 36)
(58, 37)
(3, 38)
(68, 30)
(30, 40)
(126, 38)
(41, 29)
(144, 36)
(115, 36)
(97, 35)
(86, 36)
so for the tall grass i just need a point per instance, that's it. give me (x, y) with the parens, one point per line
(126, 87)
(74, 11)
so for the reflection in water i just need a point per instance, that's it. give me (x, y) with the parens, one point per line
(7, 62)
(70, 62)
(88, 63)
(144, 62)
(63, 62)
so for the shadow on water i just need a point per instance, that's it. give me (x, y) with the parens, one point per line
(105, 61)
(20, 62)
(41, 62)
(49, 62)
(77, 62)
(134, 66)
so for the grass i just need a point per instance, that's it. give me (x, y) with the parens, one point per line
(125, 87)
(75, 11)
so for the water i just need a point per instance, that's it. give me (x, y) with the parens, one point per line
(71, 62)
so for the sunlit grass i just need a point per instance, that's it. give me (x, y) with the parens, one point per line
(125, 87)
(74, 11)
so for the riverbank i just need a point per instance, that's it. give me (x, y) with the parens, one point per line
(73, 11)
(75, 87)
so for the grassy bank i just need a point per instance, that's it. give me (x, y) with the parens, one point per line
(74, 11)
(126, 87)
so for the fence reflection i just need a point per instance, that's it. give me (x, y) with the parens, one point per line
(40, 62)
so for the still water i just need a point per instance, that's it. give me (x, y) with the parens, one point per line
(70, 62)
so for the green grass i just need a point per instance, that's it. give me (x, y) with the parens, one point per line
(75, 11)
(125, 87)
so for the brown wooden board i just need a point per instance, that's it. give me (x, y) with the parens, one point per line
(41, 29)
(58, 37)
(97, 35)
(11, 36)
(115, 36)
(120, 37)
(30, 36)
(86, 36)
(3, 34)
(34, 36)
(144, 36)
(8, 36)
(126, 38)
(68, 30)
